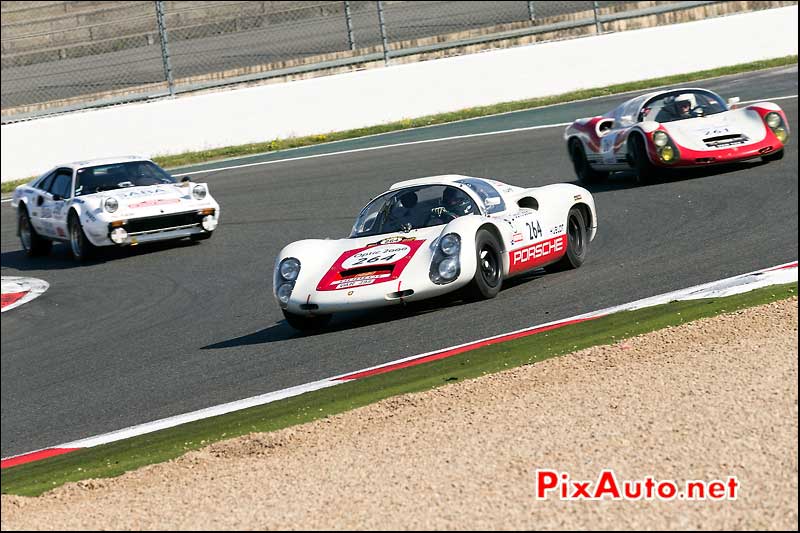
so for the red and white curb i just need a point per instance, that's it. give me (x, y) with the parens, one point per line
(780, 274)
(17, 291)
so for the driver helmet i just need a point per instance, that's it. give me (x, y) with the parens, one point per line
(456, 201)
(408, 200)
(684, 103)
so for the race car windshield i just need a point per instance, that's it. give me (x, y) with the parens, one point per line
(119, 175)
(682, 105)
(413, 208)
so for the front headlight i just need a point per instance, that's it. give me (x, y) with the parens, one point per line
(660, 139)
(199, 192)
(450, 244)
(773, 120)
(781, 134)
(448, 268)
(289, 269)
(110, 204)
(667, 153)
(284, 293)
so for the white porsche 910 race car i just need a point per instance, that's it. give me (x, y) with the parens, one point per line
(430, 236)
(676, 128)
(106, 202)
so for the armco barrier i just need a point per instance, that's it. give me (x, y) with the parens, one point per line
(377, 96)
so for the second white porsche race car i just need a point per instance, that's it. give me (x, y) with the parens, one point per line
(431, 236)
(107, 202)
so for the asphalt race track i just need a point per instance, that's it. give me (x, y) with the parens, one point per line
(154, 331)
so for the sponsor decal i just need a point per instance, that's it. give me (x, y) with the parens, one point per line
(537, 254)
(154, 202)
(576, 197)
(557, 229)
(392, 257)
(392, 240)
(517, 237)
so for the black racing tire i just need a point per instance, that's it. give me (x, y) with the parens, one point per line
(488, 279)
(80, 246)
(583, 170)
(201, 236)
(306, 323)
(777, 155)
(577, 243)
(646, 171)
(32, 242)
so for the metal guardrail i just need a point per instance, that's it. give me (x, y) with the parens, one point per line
(199, 51)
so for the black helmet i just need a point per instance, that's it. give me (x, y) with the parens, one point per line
(456, 201)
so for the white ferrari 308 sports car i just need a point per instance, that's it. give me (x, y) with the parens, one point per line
(107, 202)
(430, 236)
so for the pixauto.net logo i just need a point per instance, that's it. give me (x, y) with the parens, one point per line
(552, 483)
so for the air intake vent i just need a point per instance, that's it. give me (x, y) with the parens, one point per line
(725, 140)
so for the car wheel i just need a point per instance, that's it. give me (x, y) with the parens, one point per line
(306, 323)
(646, 172)
(586, 174)
(79, 245)
(201, 236)
(32, 243)
(577, 243)
(777, 155)
(488, 277)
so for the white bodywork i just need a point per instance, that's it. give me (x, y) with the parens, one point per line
(139, 205)
(531, 231)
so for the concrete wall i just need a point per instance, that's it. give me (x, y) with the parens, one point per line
(387, 94)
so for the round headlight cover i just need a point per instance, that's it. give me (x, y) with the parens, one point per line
(284, 292)
(773, 120)
(110, 204)
(450, 244)
(660, 139)
(781, 134)
(667, 153)
(289, 269)
(199, 192)
(448, 268)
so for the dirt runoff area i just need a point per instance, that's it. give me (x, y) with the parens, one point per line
(709, 400)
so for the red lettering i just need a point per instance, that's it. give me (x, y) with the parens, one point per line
(733, 484)
(607, 484)
(667, 490)
(716, 490)
(581, 489)
(546, 481)
(695, 490)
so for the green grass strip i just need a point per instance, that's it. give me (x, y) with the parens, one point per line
(205, 156)
(113, 459)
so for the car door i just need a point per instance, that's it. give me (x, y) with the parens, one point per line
(538, 238)
(35, 204)
(56, 200)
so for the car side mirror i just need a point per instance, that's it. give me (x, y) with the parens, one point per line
(733, 101)
(57, 197)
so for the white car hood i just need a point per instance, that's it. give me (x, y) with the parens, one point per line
(690, 133)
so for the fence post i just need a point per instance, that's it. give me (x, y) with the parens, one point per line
(162, 34)
(530, 11)
(349, 21)
(382, 25)
(596, 8)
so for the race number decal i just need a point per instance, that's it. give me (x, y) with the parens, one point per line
(372, 264)
(377, 255)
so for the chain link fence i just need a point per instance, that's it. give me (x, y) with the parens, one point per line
(61, 56)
